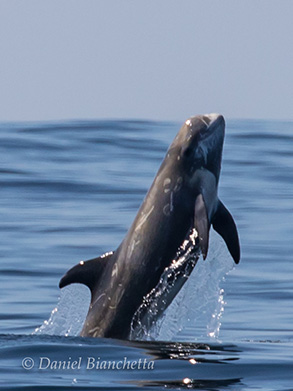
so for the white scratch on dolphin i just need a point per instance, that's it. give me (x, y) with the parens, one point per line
(115, 270)
(134, 243)
(166, 182)
(97, 299)
(144, 219)
(95, 331)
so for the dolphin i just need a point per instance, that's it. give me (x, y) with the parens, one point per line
(182, 199)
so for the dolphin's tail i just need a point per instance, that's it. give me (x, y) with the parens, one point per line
(86, 272)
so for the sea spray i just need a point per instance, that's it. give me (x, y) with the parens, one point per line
(68, 316)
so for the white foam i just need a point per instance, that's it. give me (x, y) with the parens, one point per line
(68, 316)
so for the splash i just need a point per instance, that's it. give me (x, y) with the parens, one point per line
(68, 316)
(196, 311)
(171, 281)
(193, 314)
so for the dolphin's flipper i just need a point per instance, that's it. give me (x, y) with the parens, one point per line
(224, 224)
(86, 272)
(201, 224)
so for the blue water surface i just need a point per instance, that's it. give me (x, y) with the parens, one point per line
(70, 190)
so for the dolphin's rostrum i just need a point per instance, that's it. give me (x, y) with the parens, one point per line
(183, 197)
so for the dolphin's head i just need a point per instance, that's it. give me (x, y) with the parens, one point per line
(199, 143)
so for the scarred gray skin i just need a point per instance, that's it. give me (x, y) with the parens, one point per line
(182, 196)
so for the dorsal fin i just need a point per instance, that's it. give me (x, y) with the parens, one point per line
(86, 272)
(224, 224)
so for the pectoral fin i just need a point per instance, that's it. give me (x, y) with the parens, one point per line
(86, 272)
(201, 224)
(224, 224)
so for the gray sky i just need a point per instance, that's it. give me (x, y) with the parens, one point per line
(152, 59)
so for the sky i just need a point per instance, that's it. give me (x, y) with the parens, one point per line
(152, 59)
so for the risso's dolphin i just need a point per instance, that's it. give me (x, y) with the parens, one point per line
(181, 203)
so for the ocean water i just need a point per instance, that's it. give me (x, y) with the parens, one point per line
(70, 190)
